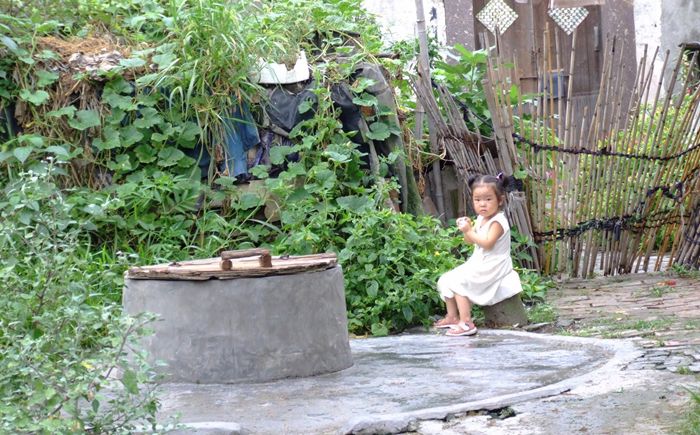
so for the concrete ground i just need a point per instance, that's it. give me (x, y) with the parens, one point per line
(657, 313)
(499, 382)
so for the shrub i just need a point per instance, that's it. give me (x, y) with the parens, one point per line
(391, 262)
(63, 363)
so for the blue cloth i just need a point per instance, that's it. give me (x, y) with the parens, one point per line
(240, 135)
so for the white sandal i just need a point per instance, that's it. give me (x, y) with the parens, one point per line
(462, 329)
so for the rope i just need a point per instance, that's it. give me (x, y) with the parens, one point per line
(603, 152)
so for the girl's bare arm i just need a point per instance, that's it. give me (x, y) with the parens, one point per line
(486, 241)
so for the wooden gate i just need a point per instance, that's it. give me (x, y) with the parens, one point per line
(522, 40)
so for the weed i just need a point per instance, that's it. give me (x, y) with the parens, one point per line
(690, 425)
(541, 313)
(683, 370)
(692, 325)
(685, 271)
(658, 291)
(613, 328)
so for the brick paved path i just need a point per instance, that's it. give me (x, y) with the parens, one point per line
(660, 311)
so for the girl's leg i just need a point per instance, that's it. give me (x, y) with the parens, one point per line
(452, 310)
(465, 326)
(464, 306)
(452, 316)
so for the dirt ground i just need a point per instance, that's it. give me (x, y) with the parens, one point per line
(661, 314)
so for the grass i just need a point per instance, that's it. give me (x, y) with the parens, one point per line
(658, 291)
(614, 328)
(692, 325)
(690, 424)
(541, 313)
(683, 370)
(685, 272)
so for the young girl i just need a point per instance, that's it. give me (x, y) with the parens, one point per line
(488, 276)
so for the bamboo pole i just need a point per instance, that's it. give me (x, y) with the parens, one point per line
(612, 141)
(632, 114)
(652, 170)
(424, 74)
(635, 188)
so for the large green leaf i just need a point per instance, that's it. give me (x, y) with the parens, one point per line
(372, 288)
(37, 98)
(109, 139)
(122, 163)
(45, 77)
(366, 99)
(22, 153)
(9, 43)
(337, 157)
(130, 381)
(59, 151)
(130, 135)
(123, 102)
(85, 119)
(407, 313)
(169, 156)
(164, 60)
(145, 153)
(190, 130)
(378, 131)
(361, 84)
(149, 118)
(278, 153)
(133, 62)
(250, 200)
(32, 139)
(63, 111)
(355, 203)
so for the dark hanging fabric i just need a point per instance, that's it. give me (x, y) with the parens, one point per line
(8, 123)
(283, 107)
(269, 139)
(350, 117)
(350, 114)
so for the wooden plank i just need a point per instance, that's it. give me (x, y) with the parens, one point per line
(205, 269)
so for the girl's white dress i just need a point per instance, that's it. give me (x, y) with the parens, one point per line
(487, 277)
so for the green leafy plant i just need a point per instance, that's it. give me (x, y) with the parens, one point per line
(684, 271)
(63, 353)
(463, 79)
(541, 313)
(535, 286)
(391, 288)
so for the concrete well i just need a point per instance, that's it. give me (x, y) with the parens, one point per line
(245, 329)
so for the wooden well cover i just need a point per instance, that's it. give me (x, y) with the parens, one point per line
(244, 267)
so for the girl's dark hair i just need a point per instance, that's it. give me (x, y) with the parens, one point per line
(499, 182)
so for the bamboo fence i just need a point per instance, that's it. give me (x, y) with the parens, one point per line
(612, 188)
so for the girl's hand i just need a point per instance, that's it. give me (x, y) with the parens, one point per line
(464, 224)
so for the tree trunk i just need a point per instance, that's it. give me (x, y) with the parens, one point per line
(507, 313)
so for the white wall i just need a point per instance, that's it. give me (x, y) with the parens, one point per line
(666, 24)
(398, 18)
(647, 24)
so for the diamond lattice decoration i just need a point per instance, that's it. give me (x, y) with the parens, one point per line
(497, 15)
(568, 18)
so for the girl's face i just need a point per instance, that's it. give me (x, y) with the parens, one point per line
(485, 200)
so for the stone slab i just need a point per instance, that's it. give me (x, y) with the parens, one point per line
(399, 380)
